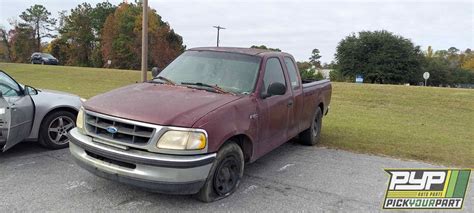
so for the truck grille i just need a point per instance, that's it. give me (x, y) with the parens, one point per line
(126, 132)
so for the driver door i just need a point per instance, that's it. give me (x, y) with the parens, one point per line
(16, 112)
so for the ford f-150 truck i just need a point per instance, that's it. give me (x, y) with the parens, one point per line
(192, 128)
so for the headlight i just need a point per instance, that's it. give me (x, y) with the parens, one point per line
(80, 120)
(182, 140)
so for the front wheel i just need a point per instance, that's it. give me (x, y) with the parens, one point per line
(225, 174)
(54, 129)
(312, 135)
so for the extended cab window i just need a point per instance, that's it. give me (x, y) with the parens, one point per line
(273, 73)
(290, 65)
(8, 86)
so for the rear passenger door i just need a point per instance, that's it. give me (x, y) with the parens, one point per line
(296, 108)
(273, 110)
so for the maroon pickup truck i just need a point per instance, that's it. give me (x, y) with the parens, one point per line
(192, 128)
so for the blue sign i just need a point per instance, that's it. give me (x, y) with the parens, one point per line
(359, 79)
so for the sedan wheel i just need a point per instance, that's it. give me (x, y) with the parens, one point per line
(54, 129)
(59, 128)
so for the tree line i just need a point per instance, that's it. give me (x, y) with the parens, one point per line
(385, 58)
(96, 35)
(91, 36)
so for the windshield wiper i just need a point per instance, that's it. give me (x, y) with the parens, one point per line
(165, 80)
(215, 87)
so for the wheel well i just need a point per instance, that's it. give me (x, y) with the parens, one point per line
(67, 109)
(245, 144)
(321, 106)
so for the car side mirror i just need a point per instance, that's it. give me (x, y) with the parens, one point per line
(29, 90)
(155, 71)
(275, 88)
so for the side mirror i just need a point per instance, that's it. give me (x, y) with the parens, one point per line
(155, 71)
(30, 90)
(275, 88)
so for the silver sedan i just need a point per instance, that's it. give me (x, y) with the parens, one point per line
(30, 114)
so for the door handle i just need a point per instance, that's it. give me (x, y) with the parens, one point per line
(290, 103)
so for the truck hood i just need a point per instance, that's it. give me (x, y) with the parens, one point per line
(158, 103)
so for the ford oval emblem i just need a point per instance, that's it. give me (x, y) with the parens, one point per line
(112, 129)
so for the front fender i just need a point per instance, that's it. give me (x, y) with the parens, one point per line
(46, 102)
(230, 120)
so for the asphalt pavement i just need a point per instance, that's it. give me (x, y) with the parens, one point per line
(292, 178)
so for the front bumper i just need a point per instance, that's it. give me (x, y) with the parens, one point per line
(163, 173)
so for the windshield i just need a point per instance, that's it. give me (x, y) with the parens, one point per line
(231, 72)
(46, 55)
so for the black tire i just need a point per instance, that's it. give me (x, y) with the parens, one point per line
(229, 168)
(51, 129)
(312, 135)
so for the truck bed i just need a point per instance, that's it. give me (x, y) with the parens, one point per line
(315, 92)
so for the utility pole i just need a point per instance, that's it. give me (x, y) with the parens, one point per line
(145, 40)
(219, 28)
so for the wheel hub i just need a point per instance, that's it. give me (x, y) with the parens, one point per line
(226, 176)
(58, 128)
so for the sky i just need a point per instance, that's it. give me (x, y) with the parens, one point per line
(297, 26)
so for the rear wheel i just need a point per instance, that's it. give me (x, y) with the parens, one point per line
(225, 175)
(312, 135)
(54, 129)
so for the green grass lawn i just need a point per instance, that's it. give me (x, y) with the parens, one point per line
(429, 124)
(85, 82)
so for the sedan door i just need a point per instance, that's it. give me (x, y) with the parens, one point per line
(16, 112)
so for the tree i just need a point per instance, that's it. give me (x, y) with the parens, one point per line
(5, 52)
(77, 30)
(331, 65)
(468, 62)
(453, 51)
(98, 16)
(314, 59)
(380, 56)
(80, 34)
(121, 38)
(263, 47)
(429, 52)
(22, 42)
(59, 48)
(308, 71)
(37, 16)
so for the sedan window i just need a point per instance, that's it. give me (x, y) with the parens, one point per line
(8, 86)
